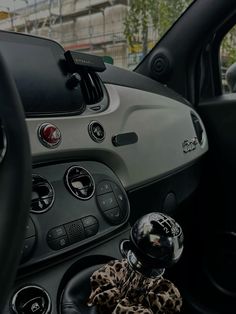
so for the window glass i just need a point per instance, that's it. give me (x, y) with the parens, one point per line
(122, 31)
(228, 61)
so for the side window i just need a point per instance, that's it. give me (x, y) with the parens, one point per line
(228, 61)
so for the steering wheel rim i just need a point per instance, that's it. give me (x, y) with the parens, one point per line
(15, 181)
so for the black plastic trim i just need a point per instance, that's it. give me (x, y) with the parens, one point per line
(118, 76)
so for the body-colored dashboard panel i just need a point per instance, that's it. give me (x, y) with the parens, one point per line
(161, 123)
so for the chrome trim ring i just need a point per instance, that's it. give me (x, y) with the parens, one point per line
(68, 184)
(43, 141)
(91, 132)
(53, 196)
(16, 294)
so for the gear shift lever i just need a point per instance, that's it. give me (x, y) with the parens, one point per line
(135, 283)
(156, 242)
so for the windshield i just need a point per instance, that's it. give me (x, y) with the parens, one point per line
(121, 31)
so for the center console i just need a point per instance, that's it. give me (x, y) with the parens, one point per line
(79, 212)
(73, 205)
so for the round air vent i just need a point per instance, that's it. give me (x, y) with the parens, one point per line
(80, 182)
(31, 299)
(42, 194)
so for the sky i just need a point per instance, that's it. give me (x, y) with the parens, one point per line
(14, 4)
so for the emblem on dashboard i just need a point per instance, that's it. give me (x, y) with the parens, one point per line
(190, 145)
(49, 135)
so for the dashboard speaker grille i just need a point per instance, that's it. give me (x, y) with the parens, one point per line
(75, 231)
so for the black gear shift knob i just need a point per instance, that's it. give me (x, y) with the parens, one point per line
(156, 242)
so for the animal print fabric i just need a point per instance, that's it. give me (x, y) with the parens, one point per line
(117, 290)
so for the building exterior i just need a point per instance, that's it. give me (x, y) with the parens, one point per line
(94, 26)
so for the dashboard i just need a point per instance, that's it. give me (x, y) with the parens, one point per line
(104, 145)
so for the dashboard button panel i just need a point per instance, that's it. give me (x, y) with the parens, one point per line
(91, 230)
(30, 229)
(75, 231)
(121, 199)
(114, 215)
(107, 201)
(28, 247)
(56, 233)
(59, 243)
(29, 242)
(72, 232)
(72, 221)
(89, 221)
(103, 187)
(113, 205)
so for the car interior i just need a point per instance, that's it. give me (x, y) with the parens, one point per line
(88, 150)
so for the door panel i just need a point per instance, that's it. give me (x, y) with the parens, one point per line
(209, 262)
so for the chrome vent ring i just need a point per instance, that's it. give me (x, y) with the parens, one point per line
(80, 182)
(43, 195)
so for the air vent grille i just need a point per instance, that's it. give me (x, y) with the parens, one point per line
(42, 194)
(80, 182)
(91, 87)
(198, 128)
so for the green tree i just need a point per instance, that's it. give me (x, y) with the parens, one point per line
(169, 12)
(137, 20)
(159, 14)
(228, 48)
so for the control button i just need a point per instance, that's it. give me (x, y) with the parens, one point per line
(49, 135)
(114, 215)
(59, 243)
(119, 196)
(107, 201)
(89, 221)
(96, 131)
(104, 187)
(27, 248)
(56, 233)
(91, 230)
(125, 139)
(75, 231)
(30, 229)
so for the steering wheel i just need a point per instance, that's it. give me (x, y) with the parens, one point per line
(15, 180)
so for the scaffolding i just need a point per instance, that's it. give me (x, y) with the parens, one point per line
(95, 26)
